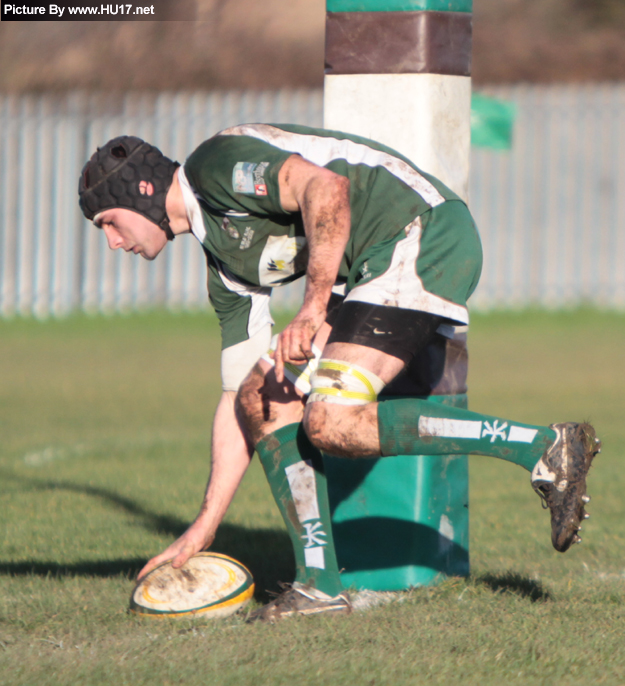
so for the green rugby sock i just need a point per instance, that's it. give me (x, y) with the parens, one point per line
(294, 470)
(409, 426)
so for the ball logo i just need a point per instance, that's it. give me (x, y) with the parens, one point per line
(146, 188)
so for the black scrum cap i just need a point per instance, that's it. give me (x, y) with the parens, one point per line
(113, 178)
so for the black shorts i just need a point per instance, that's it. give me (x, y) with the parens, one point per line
(435, 364)
(396, 331)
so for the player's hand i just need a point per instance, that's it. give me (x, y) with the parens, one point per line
(295, 342)
(191, 542)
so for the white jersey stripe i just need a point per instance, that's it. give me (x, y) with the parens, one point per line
(192, 206)
(260, 314)
(401, 286)
(322, 150)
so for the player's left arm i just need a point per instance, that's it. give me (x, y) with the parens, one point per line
(322, 197)
(231, 456)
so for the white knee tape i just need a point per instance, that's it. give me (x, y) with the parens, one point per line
(344, 384)
(298, 374)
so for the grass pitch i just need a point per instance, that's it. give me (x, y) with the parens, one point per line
(105, 427)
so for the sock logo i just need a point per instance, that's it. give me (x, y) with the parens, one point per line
(313, 534)
(495, 431)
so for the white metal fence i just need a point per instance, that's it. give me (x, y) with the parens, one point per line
(550, 211)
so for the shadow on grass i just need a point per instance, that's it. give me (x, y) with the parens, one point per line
(266, 552)
(515, 584)
(154, 521)
(95, 568)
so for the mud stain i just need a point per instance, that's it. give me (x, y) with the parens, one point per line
(276, 458)
(291, 514)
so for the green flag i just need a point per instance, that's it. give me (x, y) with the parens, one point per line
(492, 121)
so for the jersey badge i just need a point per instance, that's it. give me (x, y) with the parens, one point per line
(249, 177)
(226, 225)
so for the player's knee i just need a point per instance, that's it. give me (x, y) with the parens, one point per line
(318, 426)
(325, 425)
(339, 392)
(264, 405)
(249, 401)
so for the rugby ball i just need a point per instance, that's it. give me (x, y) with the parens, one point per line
(207, 585)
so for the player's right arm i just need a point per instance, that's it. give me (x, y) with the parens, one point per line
(323, 199)
(231, 455)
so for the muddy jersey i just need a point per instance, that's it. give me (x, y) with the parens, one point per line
(230, 187)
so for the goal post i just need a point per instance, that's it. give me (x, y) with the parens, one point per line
(399, 72)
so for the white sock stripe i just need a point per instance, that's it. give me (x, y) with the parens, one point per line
(521, 434)
(301, 477)
(449, 428)
(315, 557)
(462, 428)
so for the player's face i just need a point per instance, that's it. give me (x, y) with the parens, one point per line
(131, 231)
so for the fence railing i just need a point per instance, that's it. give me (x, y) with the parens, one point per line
(551, 211)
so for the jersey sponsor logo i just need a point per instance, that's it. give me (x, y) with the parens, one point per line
(274, 266)
(249, 177)
(259, 175)
(365, 272)
(246, 241)
(242, 177)
(282, 258)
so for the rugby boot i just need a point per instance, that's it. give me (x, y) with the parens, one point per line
(559, 478)
(301, 600)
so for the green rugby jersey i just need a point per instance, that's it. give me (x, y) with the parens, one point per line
(230, 185)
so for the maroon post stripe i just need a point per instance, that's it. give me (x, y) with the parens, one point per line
(398, 43)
